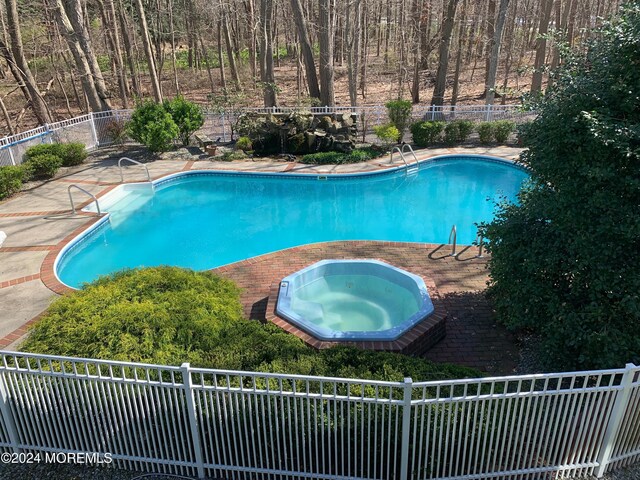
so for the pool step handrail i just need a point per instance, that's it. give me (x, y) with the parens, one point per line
(453, 234)
(480, 242)
(73, 207)
(415, 158)
(130, 160)
(404, 160)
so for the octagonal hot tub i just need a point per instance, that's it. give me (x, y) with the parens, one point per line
(354, 300)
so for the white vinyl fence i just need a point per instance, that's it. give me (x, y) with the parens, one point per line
(227, 424)
(93, 129)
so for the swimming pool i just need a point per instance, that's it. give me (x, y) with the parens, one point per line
(203, 220)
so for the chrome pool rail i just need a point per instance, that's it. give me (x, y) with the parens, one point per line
(409, 168)
(453, 235)
(73, 207)
(130, 160)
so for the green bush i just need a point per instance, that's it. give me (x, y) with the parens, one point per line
(70, 154)
(388, 133)
(399, 112)
(169, 315)
(187, 116)
(486, 132)
(457, 131)
(244, 144)
(152, 126)
(562, 262)
(231, 155)
(10, 180)
(45, 165)
(502, 129)
(427, 133)
(355, 156)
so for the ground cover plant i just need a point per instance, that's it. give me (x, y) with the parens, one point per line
(169, 315)
(564, 261)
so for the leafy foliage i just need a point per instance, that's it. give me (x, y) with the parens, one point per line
(399, 112)
(152, 126)
(187, 116)
(355, 156)
(563, 260)
(457, 131)
(69, 153)
(170, 315)
(388, 133)
(502, 129)
(426, 133)
(45, 165)
(486, 132)
(244, 144)
(10, 180)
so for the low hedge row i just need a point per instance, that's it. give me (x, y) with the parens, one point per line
(43, 161)
(355, 156)
(430, 132)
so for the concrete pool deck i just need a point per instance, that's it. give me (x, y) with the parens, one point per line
(38, 222)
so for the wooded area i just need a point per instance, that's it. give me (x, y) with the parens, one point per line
(60, 58)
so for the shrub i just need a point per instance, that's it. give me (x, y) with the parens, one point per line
(69, 153)
(355, 156)
(486, 132)
(244, 144)
(152, 126)
(502, 129)
(116, 130)
(231, 155)
(426, 133)
(72, 154)
(399, 112)
(388, 133)
(187, 116)
(10, 180)
(561, 264)
(457, 131)
(169, 315)
(45, 165)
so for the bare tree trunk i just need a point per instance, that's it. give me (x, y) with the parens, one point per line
(490, 87)
(352, 35)
(443, 62)
(490, 39)
(7, 118)
(17, 52)
(306, 49)
(461, 36)
(325, 37)
(266, 54)
(124, 27)
(230, 55)
(113, 34)
(153, 73)
(223, 77)
(541, 46)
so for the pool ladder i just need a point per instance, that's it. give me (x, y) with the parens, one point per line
(93, 197)
(135, 162)
(410, 168)
(453, 234)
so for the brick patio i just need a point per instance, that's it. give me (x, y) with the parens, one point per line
(473, 338)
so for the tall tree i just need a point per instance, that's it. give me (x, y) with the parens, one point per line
(36, 101)
(541, 45)
(443, 54)
(325, 40)
(266, 53)
(306, 49)
(490, 87)
(148, 51)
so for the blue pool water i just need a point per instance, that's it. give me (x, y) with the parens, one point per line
(206, 220)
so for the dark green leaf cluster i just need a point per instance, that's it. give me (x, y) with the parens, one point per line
(168, 315)
(427, 133)
(70, 154)
(10, 180)
(497, 131)
(565, 260)
(399, 112)
(355, 156)
(457, 131)
(42, 166)
(187, 116)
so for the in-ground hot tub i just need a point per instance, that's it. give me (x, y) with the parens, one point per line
(354, 300)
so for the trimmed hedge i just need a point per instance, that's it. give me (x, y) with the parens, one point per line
(45, 165)
(169, 315)
(69, 153)
(355, 156)
(427, 133)
(10, 180)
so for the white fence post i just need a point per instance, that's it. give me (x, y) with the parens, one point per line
(406, 427)
(11, 156)
(615, 420)
(96, 143)
(7, 416)
(193, 422)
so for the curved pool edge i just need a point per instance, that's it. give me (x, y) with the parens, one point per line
(48, 270)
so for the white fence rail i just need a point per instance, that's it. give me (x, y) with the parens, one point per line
(94, 129)
(228, 424)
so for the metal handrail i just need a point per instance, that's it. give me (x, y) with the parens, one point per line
(480, 242)
(454, 234)
(73, 207)
(397, 149)
(135, 162)
(406, 145)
